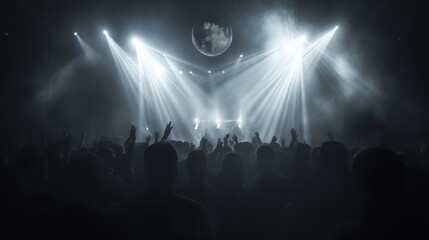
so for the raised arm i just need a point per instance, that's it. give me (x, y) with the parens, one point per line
(167, 132)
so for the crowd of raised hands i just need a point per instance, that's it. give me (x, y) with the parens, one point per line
(159, 188)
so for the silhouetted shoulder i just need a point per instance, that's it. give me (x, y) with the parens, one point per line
(157, 215)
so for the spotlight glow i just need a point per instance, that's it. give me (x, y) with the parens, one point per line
(135, 41)
(75, 33)
(218, 123)
(336, 27)
(105, 32)
(267, 81)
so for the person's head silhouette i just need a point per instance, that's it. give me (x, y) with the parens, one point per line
(266, 158)
(378, 175)
(160, 165)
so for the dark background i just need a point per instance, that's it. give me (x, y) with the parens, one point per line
(37, 44)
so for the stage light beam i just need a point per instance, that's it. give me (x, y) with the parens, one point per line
(75, 33)
(105, 32)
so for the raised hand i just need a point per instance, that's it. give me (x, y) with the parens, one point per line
(258, 140)
(203, 142)
(294, 134)
(133, 130)
(273, 140)
(167, 131)
(148, 139)
(218, 145)
(283, 142)
(156, 136)
(294, 139)
(235, 139)
(225, 139)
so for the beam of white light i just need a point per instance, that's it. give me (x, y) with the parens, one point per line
(75, 33)
(273, 85)
(269, 83)
(166, 93)
(129, 75)
(105, 32)
(88, 51)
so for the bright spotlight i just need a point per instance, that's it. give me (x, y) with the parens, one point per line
(196, 120)
(180, 72)
(218, 123)
(241, 55)
(223, 71)
(105, 32)
(190, 72)
(209, 71)
(336, 27)
(75, 33)
(135, 41)
(147, 129)
(196, 126)
(239, 123)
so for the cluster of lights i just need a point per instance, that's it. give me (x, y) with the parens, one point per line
(158, 71)
(218, 123)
